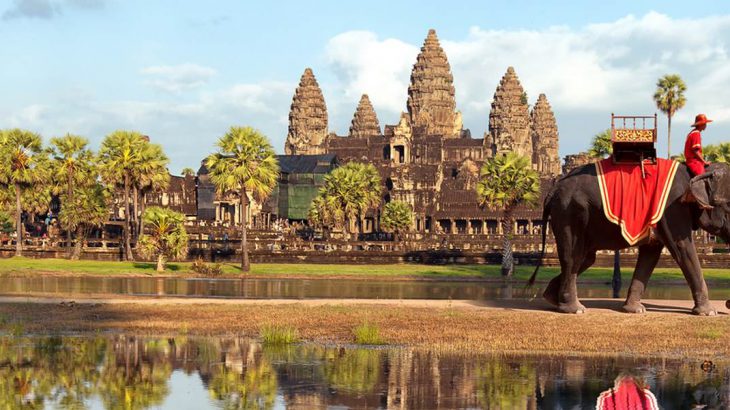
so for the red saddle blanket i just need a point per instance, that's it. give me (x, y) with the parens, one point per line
(634, 201)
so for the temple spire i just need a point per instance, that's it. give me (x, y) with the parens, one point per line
(365, 121)
(431, 102)
(544, 135)
(307, 118)
(509, 120)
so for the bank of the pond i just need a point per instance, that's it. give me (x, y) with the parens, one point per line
(495, 326)
(27, 266)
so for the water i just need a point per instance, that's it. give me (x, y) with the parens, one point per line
(310, 288)
(127, 372)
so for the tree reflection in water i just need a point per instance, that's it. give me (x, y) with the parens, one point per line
(127, 372)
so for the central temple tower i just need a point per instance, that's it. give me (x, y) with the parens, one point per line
(431, 102)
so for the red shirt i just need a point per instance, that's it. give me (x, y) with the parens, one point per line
(692, 152)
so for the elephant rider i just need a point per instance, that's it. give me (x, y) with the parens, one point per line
(693, 146)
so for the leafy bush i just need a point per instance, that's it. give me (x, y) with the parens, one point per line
(367, 334)
(279, 335)
(206, 269)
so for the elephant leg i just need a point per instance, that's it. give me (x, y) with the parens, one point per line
(571, 259)
(685, 253)
(552, 290)
(645, 264)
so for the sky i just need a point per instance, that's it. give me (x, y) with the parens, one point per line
(184, 71)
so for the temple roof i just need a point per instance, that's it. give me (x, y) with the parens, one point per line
(306, 164)
(365, 121)
(307, 118)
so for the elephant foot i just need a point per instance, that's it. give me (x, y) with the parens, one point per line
(634, 307)
(575, 307)
(551, 296)
(704, 310)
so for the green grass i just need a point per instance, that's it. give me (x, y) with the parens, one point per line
(23, 266)
(278, 335)
(367, 334)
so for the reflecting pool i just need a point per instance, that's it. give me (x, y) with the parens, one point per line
(311, 288)
(129, 372)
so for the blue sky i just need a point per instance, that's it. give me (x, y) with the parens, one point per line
(184, 71)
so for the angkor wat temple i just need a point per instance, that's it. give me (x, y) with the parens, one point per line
(428, 159)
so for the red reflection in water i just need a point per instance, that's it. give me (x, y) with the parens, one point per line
(627, 393)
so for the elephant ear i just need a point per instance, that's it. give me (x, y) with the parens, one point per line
(712, 188)
(699, 186)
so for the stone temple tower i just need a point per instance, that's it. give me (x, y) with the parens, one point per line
(509, 120)
(544, 135)
(431, 102)
(364, 122)
(307, 118)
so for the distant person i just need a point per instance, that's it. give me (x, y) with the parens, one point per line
(693, 146)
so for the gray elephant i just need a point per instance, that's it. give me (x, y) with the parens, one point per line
(574, 209)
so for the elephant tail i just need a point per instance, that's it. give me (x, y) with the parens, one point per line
(545, 217)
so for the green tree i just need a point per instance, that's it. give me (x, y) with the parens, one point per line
(120, 156)
(245, 163)
(73, 168)
(669, 97)
(397, 217)
(717, 153)
(348, 193)
(167, 238)
(506, 182)
(187, 172)
(23, 166)
(601, 146)
(151, 176)
(88, 209)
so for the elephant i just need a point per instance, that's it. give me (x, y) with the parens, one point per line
(574, 210)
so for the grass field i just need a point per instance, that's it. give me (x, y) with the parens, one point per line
(27, 266)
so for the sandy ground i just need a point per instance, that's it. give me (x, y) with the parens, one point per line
(654, 306)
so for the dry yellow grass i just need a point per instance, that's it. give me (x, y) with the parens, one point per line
(461, 327)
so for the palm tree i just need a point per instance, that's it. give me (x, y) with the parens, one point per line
(669, 97)
(120, 156)
(601, 146)
(88, 209)
(246, 163)
(187, 172)
(167, 238)
(151, 176)
(72, 166)
(505, 182)
(397, 217)
(23, 165)
(348, 193)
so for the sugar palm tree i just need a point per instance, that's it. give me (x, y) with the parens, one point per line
(397, 217)
(151, 176)
(23, 165)
(601, 146)
(245, 163)
(88, 209)
(669, 97)
(506, 182)
(120, 156)
(167, 238)
(187, 172)
(717, 153)
(72, 167)
(348, 193)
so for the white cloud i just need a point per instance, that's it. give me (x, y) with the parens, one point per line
(586, 72)
(365, 64)
(177, 78)
(47, 9)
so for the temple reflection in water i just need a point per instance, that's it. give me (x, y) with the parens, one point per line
(126, 372)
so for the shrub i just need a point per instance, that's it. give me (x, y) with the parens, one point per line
(367, 334)
(279, 335)
(206, 269)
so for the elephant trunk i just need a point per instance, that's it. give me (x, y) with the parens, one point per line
(543, 228)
